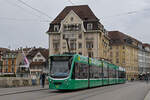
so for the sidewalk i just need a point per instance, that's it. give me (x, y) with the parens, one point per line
(147, 97)
(8, 91)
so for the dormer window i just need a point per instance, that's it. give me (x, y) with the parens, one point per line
(89, 26)
(56, 28)
(71, 19)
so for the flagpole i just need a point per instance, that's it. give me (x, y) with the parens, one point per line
(28, 64)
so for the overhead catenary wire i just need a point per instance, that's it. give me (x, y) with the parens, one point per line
(22, 20)
(127, 13)
(16, 5)
(35, 9)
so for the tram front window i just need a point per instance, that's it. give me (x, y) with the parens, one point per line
(60, 68)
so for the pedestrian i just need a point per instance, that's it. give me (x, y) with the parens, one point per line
(146, 78)
(42, 79)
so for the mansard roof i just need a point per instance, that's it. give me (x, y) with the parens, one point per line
(121, 38)
(146, 45)
(43, 51)
(4, 49)
(83, 11)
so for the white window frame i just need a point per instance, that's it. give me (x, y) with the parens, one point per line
(89, 26)
(56, 28)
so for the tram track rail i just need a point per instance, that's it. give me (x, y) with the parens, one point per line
(20, 92)
(94, 91)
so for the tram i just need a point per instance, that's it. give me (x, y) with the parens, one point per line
(70, 72)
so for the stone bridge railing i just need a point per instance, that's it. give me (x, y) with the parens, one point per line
(18, 82)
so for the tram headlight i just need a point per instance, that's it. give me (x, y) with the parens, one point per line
(66, 82)
(50, 81)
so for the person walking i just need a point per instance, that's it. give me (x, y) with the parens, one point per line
(42, 79)
(146, 78)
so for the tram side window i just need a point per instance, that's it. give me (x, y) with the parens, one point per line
(91, 72)
(95, 71)
(81, 71)
(117, 73)
(124, 74)
(114, 73)
(101, 72)
(110, 73)
(121, 74)
(105, 71)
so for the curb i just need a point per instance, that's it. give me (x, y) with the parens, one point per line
(18, 92)
(147, 97)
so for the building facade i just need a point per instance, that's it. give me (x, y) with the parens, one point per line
(147, 58)
(9, 62)
(77, 30)
(124, 52)
(2, 51)
(38, 58)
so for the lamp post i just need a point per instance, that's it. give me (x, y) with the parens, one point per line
(67, 40)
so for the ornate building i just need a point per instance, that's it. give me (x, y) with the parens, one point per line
(124, 52)
(38, 58)
(78, 30)
(144, 58)
(9, 62)
(2, 51)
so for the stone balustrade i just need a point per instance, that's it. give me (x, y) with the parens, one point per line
(6, 82)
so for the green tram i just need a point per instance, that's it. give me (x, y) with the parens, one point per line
(70, 72)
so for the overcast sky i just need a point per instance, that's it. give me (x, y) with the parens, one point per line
(21, 25)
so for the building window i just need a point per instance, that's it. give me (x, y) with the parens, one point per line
(110, 47)
(73, 45)
(64, 45)
(80, 36)
(41, 60)
(6, 70)
(72, 27)
(80, 53)
(123, 54)
(12, 62)
(80, 45)
(71, 19)
(123, 60)
(6, 61)
(12, 69)
(117, 60)
(111, 54)
(89, 26)
(117, 54)
(56, 28)
(123, 47)
(89, 44)
(90, 54)
(35, 60)
(55, 45)
(38, 55)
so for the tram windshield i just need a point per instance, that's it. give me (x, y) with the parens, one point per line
(60, 66)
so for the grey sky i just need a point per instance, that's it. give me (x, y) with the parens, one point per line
(22, 26)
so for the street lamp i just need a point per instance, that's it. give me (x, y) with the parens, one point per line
(67, 40)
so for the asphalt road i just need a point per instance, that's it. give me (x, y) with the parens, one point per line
(127, 91)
